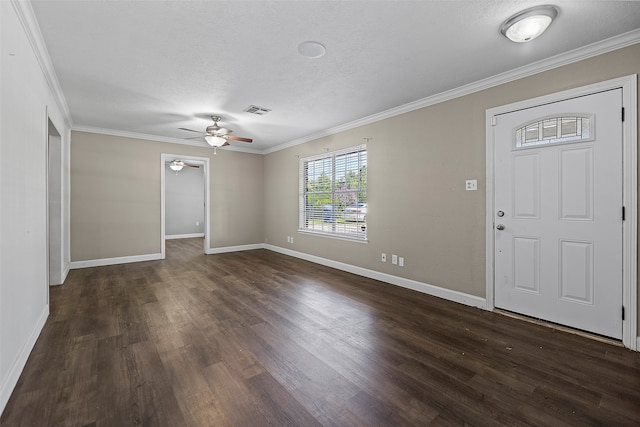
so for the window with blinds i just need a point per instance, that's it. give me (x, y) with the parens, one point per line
(333, 194)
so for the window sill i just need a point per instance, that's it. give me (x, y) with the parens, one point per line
(334, 236)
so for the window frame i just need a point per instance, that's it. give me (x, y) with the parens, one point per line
(338, 230)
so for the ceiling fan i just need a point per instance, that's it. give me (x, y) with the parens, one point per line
(177, 165)
(217, 136)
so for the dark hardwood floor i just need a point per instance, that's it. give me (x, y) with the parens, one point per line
(257, 338)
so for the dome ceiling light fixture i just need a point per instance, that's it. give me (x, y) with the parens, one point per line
(528, 24)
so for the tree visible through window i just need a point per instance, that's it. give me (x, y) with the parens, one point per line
(333, 193)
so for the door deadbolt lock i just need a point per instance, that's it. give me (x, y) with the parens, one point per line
(500, 214)
(500, 227)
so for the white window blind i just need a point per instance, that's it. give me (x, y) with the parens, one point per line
(333, 193)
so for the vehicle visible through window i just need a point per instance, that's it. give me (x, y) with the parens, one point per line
(357, 212)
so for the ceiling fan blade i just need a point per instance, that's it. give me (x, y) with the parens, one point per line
(237, 138)
(196, 137)
(191, 166)
(191, 130)
(226, 143)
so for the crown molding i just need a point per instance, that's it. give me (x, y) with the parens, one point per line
(156, 138)
(31, 28)
(576, 55)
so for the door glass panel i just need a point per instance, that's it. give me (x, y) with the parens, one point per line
(554, 130)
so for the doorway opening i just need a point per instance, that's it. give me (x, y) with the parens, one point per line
(185, 200)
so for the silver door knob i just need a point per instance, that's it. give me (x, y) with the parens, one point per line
(500, 227)
(500, 214)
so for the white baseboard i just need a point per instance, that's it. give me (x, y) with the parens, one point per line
(112, 261)
(213, 251)
(65, 272)
(459, 297)
(9, 383)
(183, 236)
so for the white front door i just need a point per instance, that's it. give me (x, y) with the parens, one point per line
(558, 212)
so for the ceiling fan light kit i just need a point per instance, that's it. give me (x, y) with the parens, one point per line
(176, 165)
(215, 141)
(529, 24)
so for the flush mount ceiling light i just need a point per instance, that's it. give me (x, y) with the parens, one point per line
(529, 24)
(176, 165)
(215, 141)
(311, 49)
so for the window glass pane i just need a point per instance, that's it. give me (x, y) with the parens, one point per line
(532, 132)
(586, 128)
(550, 128)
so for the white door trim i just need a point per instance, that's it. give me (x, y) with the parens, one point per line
(628, 84)
(55, 217)
(165, 158)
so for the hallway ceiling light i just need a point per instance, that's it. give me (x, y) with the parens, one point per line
(176, 165)
(528, 24)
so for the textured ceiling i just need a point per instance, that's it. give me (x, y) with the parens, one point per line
(151, 67)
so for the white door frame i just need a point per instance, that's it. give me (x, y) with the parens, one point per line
(55, 193)
(628, 84)
(164, 159)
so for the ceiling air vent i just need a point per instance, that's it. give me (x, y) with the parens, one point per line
(254, 109)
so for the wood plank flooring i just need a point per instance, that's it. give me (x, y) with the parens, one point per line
(257, 338)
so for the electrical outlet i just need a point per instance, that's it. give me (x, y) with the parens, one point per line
(383, 258)
(394, 259)
(472, 185)
(197, 223)
(291, 239)
(288, 239)
(401, 261)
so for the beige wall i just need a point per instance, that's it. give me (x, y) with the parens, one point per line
(418, 164)
(115, 196)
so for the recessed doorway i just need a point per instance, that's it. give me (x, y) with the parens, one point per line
(184, 199)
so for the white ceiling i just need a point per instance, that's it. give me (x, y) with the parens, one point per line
(150, 67)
